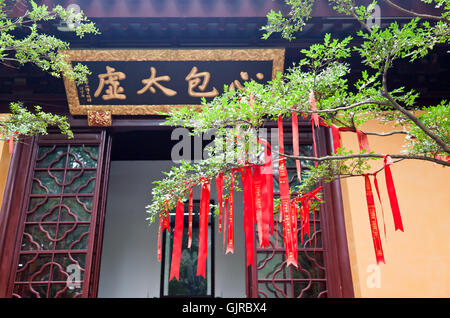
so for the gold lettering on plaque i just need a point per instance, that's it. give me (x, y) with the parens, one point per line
(153, 80)
(111, 78)
(244, 76)
(193, 79)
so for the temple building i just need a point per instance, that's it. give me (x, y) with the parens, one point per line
(74, 209)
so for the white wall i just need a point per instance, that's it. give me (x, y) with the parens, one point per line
(129, 266)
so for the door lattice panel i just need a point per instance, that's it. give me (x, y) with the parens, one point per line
(59, 222)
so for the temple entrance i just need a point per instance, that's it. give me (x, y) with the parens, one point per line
(129, 265)
(77, 227)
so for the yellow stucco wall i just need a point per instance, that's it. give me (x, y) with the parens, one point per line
(5, 158)
(418, 259)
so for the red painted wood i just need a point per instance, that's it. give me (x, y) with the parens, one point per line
(16, 208)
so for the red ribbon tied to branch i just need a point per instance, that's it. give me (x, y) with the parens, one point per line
(285, 207)
(177, 240)
(392, 194)
(267, 189)
(10, 141)
(230, 230)
(305, 201)
(164, 224)
(314, 122)
(375, 182)
(373, 221)
(219, 185)
(247, 181)
(203, 228)
(362, 140)
(191, 208)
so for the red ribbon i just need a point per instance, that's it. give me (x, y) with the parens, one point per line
(375, 182)
(159, 241)
(362, 140)
(11, 141)
(177, 240)
(439, 157)
(336, 137)
(392, 194)
(296, 144)
(246, 173)
(225, 223)
(219, 185)
(373, 221)
(165, 225)
(203, 229)
(262, 216)
(294, 219)
(191, 208)
(314, 116)
(314, 122)
(306, 204)
(267, 189)
(304, 212)
(230, 242)
(285, 207)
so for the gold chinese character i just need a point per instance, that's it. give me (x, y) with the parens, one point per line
(111, 78)
(194, 81)
(153, 80)
(244, 76)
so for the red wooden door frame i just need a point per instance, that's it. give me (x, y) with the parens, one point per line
(15, 204)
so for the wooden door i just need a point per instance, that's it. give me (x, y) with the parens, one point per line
(52, 216)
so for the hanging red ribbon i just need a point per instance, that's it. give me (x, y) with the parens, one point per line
(225, 217)
(164, 224)
(203, 228)
(230, 232)
(294, 219)
(219, 186)
(267, 189)
(159, 241)
(362, 140)
(304, 212)
(10, 141)
(246, 173)
(285, 207)
(296, 144)
(306, 205)
(312, 102)
(375, 182)
(392, 194)
(11, 144)
(177, 240)
(314, 122)
(373, 221)
(262, 218)
(336, 137)
(191, 208)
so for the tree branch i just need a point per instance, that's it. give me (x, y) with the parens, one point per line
(333, 110)
(410, 115)
(360, 175)
(386, 134)
(365, 155)
(419, 15)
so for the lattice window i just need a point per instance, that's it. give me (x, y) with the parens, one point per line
(55, 252)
